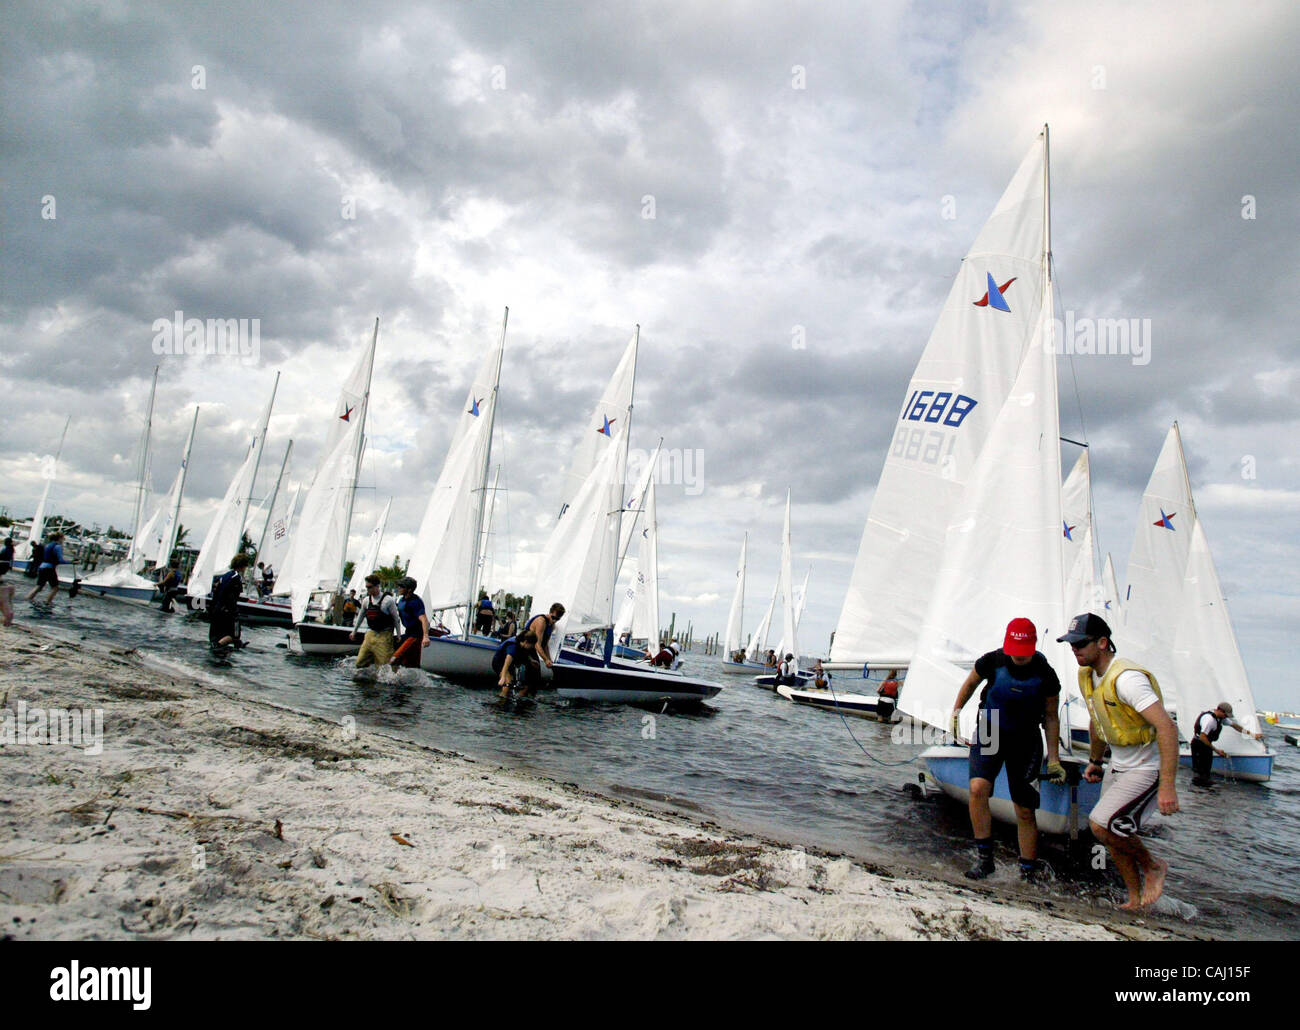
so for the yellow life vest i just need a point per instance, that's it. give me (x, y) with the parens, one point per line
(1120, 724)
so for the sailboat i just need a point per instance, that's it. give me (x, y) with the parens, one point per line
(580, 562)
(226, 530)
(323, 639)
(447, 561)
(789, 611)
(1001, 555)
(36, 531)
(1176, 620)
(155, 538)
(313, 567)
(638, 616)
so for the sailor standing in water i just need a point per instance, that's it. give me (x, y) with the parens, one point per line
(1021, 695)
(1127, 713)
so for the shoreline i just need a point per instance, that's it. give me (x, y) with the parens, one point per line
(210, 815)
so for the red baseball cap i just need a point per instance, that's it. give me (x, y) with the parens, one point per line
(1021, 640)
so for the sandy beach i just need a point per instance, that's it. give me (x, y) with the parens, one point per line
(209, 816)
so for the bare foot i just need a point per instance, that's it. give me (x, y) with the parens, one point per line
(1134, 904)
(1154, 882)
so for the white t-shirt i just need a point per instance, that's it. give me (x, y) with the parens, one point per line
(1135, 690)
(1207, 728)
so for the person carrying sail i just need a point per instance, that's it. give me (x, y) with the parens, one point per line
(1127, 711)
(1020, 696)
(223, 608)
(1209, 725)
(381, 617)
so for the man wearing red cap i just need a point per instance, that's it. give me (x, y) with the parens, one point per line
(1021, 695)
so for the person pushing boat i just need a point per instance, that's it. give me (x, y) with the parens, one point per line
(1021, 695)
(1128, 713)
(516, 662)
(542, 625)
(1209, 724)
(47, 571)
(415, 627)
(379, 613)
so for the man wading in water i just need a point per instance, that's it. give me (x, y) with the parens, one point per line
(1127, 713)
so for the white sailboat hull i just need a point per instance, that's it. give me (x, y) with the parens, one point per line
(457, 658)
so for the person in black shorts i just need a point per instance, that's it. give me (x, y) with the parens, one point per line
(1021, 696)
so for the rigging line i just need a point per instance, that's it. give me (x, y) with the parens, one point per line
(840, 713)
(1098, 550)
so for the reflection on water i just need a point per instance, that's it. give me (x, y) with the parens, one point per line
(749, 760)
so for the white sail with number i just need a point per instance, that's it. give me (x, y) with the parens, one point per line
(949, 408)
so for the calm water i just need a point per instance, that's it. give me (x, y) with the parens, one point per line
(750, 761)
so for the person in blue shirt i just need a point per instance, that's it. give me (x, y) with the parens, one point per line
(47, 572)
(486, 614)
(516, 658)
(1021, 696)
(415, 626)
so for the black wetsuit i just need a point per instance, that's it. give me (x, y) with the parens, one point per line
(1012, 708)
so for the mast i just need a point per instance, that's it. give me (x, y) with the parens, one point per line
(618, 512)
(259, 443)
(356, 463)
(487, 528)
(185, 468)
(144, 459)
(1182, 464)
(474, 551)
(275, 493)
(1047, 202)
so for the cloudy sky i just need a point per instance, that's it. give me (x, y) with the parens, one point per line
(316, 165)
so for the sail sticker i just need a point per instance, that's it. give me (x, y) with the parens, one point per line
(605, 428)
(1166, 521)
(1068, 530)
(473, 405)
(347, 415)
(993, 295)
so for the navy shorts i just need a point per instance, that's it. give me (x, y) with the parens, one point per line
(1022, 757)
(47, 577)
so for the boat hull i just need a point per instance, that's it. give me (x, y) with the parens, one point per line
(618, 685)
(456, 658)
(863, 705)
(266, 613)
(328, 641)
(743, 668)
(1250, 768)
(1062, 808)
(768, 682)
(132, 595)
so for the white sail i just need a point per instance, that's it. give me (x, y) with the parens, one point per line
(226, 530)
(800, 599)
(736, 617)
(1114, 611)
(1157, 565)
(579, 563)
(602, 427)
(639, 613)
(318, 545)
(279, 529)
(1206, 660)
(758, 643)
(1002, 552)
(162, 541)
(447, 544)
(36, 530)
(949, 408)
(790, 634)
(1082, 591)
(370, 559)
